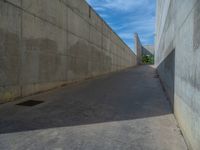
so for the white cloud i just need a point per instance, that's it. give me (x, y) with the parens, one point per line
(127, 17)
(126, 35)
(123, 4)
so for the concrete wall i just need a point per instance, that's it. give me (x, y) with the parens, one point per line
(138, 48)
(148, 50)
(142, 49)
(178, 61)
(45, 44)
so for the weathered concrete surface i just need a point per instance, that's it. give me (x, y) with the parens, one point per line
(177, 59)
(44, 44)
(148, 50)
(121, 111)
(138, 48)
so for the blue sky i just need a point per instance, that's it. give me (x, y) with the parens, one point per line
(127, 17)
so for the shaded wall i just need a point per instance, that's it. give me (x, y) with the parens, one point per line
(148, 50)
(45, 44)
(177, 58)
(142, 49)
(138, 48)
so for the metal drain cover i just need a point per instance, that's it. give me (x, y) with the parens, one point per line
(30, 103)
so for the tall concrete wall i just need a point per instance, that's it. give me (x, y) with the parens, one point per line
(148, 50)
(138, 48)
(45, 44)
(142, 49)
(178, 61)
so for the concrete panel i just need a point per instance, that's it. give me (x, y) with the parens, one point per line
(106, 30)
(42, 36)
(78, 47)
(15, 2)
(54, 12)
(182, 13)
(106, 43)
(93, 17)
(10, 68)
(77, 25)
(96, 21)
(79, 5)
(95, 36)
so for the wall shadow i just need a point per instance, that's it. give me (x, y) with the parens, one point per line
(131, 94)
(166, 71)
(146, 52)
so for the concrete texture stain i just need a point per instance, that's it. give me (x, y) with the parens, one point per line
(87, 59)
(42, 45)
(47, 56)
(9, 58)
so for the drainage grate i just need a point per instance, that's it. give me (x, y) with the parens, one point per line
(30, 103)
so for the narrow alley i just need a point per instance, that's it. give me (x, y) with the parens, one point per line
(127, 110)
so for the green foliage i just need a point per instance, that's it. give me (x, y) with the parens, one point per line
(147, 59)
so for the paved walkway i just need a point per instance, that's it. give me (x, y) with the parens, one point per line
(121, 111)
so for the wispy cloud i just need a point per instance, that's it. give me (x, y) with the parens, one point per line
(127, 17)
(122, 4)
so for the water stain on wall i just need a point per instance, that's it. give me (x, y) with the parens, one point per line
(47, 62)
(88, 59)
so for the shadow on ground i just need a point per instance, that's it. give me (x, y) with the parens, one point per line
(127, 95)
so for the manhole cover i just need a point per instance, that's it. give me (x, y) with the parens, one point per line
(30, 103)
